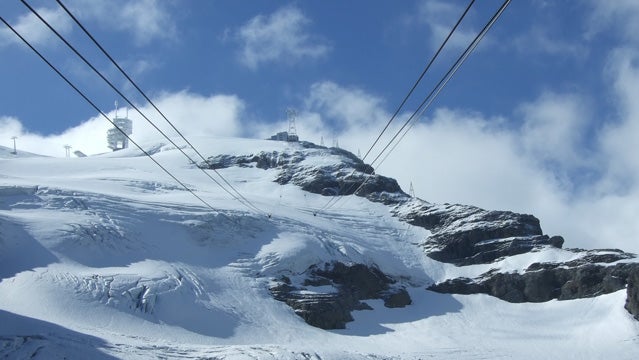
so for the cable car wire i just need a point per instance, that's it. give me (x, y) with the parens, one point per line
(446, 78)
(135, 85)
(430, 97)
(242, 200)
(421, 76)
(419, 79)
(103, 114)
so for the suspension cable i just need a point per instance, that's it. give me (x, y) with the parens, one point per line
(249, 205)
(103, 114)
(428, 66)
(431, 96)
(419, 79)
(115, 63)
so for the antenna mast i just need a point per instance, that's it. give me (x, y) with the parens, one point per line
(292, 130)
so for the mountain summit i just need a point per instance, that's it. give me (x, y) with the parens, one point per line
(106, 257)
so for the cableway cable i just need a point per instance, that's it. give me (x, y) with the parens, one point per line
(135, 85)
(446, 78)
(103, 114)
(421, 76)
(430, 97)
(244, 202)
(419, 79)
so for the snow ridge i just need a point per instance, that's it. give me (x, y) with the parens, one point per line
(101, 257)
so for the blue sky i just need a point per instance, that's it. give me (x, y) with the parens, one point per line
(541, 119)
(215, 47)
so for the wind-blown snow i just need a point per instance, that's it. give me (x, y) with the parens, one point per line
(107, 257)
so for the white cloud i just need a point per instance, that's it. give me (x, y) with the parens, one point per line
(145, 20)
(139, 66)
(620, 15)
(34, 30)
(464, 157)
(10, 126)
(192, 114)
(345, 107)
(619, 139)
(281, 36)
(539, 41)
(553, 130)
(440, 16)
(89, 137)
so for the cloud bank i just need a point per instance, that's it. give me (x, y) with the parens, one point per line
(589, 194)
(192, 114)
(34, 30)
(279, 37)
(439, 16)
(145, 21)
(452, 155)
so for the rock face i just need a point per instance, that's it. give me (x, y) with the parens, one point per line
(466, 235)
(546, 281)
(325, 297)
(458, 234)
(632, 301)
(343, 177)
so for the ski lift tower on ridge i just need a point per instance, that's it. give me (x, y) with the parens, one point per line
(116, 139)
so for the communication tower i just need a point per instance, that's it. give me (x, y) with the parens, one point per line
(292, 130)
(116, 138)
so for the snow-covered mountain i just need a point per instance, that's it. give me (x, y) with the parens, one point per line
(107, 257)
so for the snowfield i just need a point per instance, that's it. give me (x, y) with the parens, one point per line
(107, 257)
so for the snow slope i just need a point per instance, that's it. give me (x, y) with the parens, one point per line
(107, 257)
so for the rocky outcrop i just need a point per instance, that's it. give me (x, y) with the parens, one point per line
(466, 235)
(542, 282)
(459, 234)
(632, 300)
(346, 176)
(326, 296)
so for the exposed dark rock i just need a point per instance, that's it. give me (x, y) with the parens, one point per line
(353, 283)
(460, 285)
(465, 235)
(545, 283)
(459, 234)
(346, 177)
(367, 282)
(397, 299)
(605, 256)
(467, 252)
(632, 300)
(556, 241)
